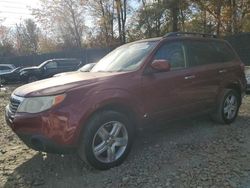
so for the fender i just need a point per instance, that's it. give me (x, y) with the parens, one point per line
(99, 100)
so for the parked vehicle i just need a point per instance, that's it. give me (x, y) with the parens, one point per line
(48, 69)
(11, 77)
(96, 113)
(84, 68)
(247, 72)
(5, 68)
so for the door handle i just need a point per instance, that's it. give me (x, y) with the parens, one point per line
(222, 71)
(189, 77)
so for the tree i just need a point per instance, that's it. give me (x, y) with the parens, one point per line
(27, 37)
(121, 10)
(64, 19)
(6, 46)
(103, 15)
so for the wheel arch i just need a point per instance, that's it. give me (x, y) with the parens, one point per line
(117, 107)
(236, 87)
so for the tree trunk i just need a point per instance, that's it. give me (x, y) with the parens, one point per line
(204, 21)
(234, 17)
(175, 12)
(218, 15)
(105, 23)
(118, 6)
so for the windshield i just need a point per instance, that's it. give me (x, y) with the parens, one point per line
(125, 58)
(45, 62)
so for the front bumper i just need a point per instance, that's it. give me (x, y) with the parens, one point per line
(43, 132)
(41, 143)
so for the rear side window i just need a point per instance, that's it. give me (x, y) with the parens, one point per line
(207, 52)
(225, 53)
(200, 53)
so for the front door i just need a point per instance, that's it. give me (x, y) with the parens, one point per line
(169, 94)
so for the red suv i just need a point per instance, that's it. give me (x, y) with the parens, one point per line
(96, 113)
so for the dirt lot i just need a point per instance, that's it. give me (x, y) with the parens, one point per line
(192, 153)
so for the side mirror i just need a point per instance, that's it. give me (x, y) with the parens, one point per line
(161, 65)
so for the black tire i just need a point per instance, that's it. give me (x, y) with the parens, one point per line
(89, 133)
(220, 114)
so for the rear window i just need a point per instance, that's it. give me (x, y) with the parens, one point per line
(207, 52)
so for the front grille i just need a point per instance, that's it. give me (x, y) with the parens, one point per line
(14, 103)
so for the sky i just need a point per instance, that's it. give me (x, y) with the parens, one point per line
(14, 11)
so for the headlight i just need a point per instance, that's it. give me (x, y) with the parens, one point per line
(248, 79)
(39, 104)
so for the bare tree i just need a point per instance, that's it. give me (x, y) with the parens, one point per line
(64, 19)
(27, 37)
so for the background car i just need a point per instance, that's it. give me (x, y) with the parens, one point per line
(4, 68)
(11, 77)
(84, 68)
(49, 68)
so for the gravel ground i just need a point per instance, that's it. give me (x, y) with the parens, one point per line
(192, 153)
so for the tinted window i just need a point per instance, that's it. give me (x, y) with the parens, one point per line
(225, 53)
(51, 65)
(201, 53)
(207, 52)
(68, 63)
(173, 52)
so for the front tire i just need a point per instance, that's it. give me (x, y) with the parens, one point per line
(228, 107)
(106, 140)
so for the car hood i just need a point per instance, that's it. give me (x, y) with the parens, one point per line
(57, 85)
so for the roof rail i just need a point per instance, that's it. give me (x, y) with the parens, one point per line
(176, 34)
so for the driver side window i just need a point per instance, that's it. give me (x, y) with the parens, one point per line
(174, 53)
(51, 65)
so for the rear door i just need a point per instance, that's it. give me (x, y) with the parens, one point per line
(203, 63)
(229, 68)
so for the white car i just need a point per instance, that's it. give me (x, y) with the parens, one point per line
(5, 68)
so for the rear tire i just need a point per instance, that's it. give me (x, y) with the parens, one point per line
(106, 140)
(227, 107)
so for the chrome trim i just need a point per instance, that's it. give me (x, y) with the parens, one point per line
(13, 96)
